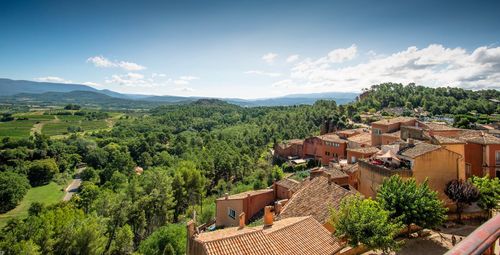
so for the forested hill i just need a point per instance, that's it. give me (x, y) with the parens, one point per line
(443, 100)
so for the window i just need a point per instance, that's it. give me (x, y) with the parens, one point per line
(377, 131)
(497, 157)
(353, 159)
(231, 213)
(327, 153)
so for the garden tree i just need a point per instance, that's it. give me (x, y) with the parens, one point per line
(35, 209)
(364, 221)
(166, 239)
(13, 187)
(411, 203)
(489, 192)
(89, 174)
(461, 192)
(42, 171)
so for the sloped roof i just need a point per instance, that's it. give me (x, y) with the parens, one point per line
(363, 138)
(418, 150)
(288, 183)
(288, 143)
(246, 193)
(480, 137)
(446, 140)
(331, 138)
(438, 126)
(304, 235)
(335, 173)
(296, 235)
(365, 150)
(393, 120)
(315, 198)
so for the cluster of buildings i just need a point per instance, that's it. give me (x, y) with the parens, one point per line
(356, 161)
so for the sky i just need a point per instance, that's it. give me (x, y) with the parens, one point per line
(251, 49)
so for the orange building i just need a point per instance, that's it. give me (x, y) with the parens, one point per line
(251, 202)
(482, 153)
(325, 148)
(354, 154)
(289, 149)
(389, 126)
(284, 189)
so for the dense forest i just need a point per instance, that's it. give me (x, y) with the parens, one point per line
(190, 154)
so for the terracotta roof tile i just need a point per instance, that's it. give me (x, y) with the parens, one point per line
(315, 198)
(393, 120)
(418, 150)
(331, 138)
(446, 140)
(363, 138)
(288, 183)
(291, 236)
(365, 150)
(246, 193)
(477, 136)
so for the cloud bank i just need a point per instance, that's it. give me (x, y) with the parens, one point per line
(433, 66)
(100, 61)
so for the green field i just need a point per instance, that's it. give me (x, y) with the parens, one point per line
(48, 194)
(16, 129)
(61, 128)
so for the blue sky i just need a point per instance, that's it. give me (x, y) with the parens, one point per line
(251, 49)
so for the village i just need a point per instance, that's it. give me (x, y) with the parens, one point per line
(293, 215)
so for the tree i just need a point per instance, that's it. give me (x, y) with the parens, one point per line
(364, 221)
(411, 203)
(42, 171)
(489, 192)
(462, 193)
(165, 239)
(13, 187)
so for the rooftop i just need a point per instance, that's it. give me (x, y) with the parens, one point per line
(393, 120)
(288, 143)
(477, 136)
(288, 183)
(365, 150)
(363, 138)
(246, 194)
(438, 126)
(297, 235)
(331, 138)
(418, 150)
(447, 140)
(315, 198)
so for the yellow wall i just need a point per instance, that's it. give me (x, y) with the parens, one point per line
(439, 167)
(222, 210)
(460, 149)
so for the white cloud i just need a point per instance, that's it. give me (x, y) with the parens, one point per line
(154, 75)
(189, 78)
(185, 80)
(53, 79)
(185, 89)
(258, 72)
(432, 66)
(292, 58)
(100, 61)
(283, 83)
(92, 84)
(269, 57)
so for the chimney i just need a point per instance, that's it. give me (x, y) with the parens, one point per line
(191, 232)
(242, 220)
(191, 228)
(330, 179)
(226, 196)
(268, 216)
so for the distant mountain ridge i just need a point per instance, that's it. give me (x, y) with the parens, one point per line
(17, 90)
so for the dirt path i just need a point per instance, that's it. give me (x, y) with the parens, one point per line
(74, 185)
(37, 128)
